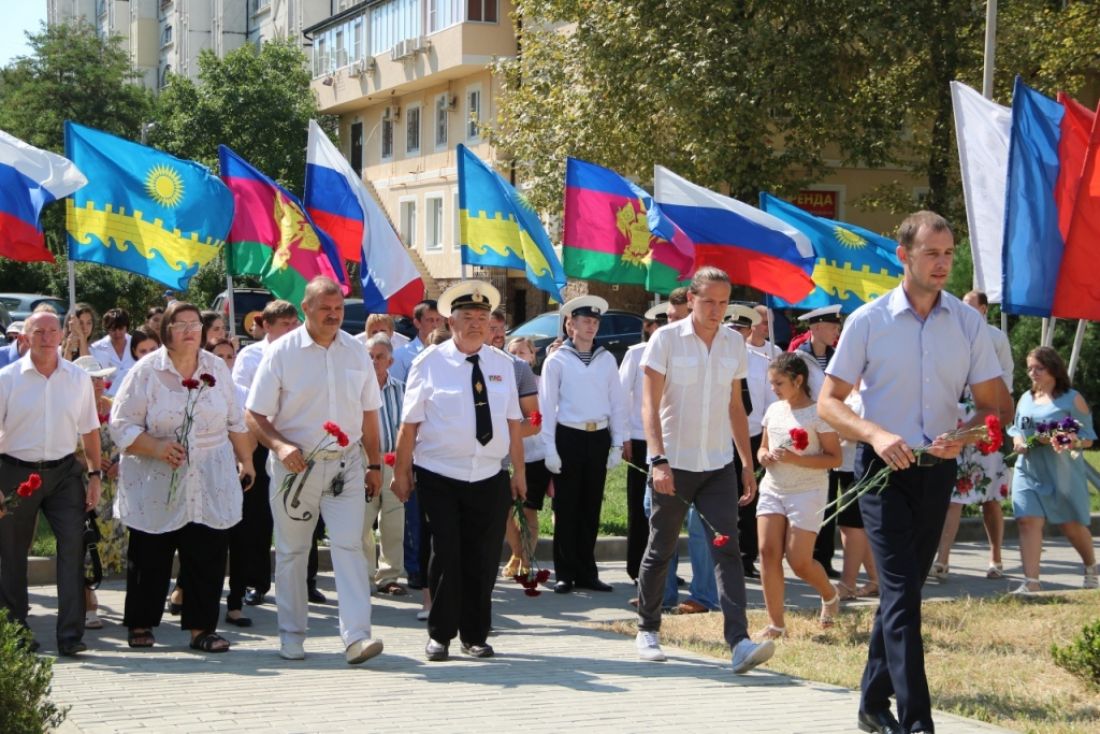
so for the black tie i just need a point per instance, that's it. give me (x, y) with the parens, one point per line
(482, 417)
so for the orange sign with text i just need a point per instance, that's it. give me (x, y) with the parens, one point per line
(819, 203)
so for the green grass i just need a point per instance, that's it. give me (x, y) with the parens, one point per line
(613, 515)
(44, 543)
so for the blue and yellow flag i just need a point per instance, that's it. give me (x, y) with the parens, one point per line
(499, 229)
(852, 265)
(143, 211)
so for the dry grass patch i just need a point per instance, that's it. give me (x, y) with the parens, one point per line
(987, 659)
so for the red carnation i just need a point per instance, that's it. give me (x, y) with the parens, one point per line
(721, 540)
(103, 417)
(799, 439)
(535, 419)
(107, 384)
(25, 490)
(390, 458)
(532, 592)
(191, 384)
(1004, 490)
(542, 576)
(331, 428)
(994, 436)
(35, 481)
(342, 439)
(519, 578)
(208, 379)
(965, 485)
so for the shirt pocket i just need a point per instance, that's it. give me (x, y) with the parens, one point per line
(449, 406)
(354, 380)
(727, 368)
(683, 370)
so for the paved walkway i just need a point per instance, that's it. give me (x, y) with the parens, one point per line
(553, 672)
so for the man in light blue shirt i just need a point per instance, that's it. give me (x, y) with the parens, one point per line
(426, 318)
(17, 344)
(915, 349)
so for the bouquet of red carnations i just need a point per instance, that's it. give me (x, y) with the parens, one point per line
(334, 437)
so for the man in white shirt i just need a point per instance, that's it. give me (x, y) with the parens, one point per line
(757, 340)
(460, 418)
(694, 417)
(315, 375)
(47, 404)
(382, 323)
(252, 555)
(585, 420)
(426, 318)
(113, 350)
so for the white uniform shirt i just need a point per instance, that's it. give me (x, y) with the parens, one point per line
(767, 350)
(106, 355)
(439, 397)
(1004, 354)
(248, 361)
(760, 389)
(151, 400)
(632, 379)
(41, 419)
(695, 420)
(300, 385)
(572, 392)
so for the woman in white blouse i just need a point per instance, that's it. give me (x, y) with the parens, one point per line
(195, 515)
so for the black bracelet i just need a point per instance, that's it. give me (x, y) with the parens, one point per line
(374, 467)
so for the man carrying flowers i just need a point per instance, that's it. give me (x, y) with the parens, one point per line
(315, 392)
(916, 348)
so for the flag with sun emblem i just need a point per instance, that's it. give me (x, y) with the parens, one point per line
(852, 265)
(499, 229)
(614, 232)
(143, 211)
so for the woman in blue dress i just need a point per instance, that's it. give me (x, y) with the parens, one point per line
(1048, 483)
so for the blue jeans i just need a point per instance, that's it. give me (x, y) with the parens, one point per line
(704, 586)
(417, 576)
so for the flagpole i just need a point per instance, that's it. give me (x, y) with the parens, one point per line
(1078, 339)
(72, 285)
(987, 80)
(771, 318)
(232, 307)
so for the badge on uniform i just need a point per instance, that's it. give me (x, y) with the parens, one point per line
(496, 378)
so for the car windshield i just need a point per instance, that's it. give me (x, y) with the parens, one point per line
(544, 325)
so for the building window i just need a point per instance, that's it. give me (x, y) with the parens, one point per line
(481, 10)
(412, 129)
(444, 13)
(356, 158)
(340, 51)
(442, 118)
(473, 113)
(392, 22)
(387, 134)
(408, 222)
(164, 74)
(166, 35)
(357, 51)
(320, 57)
(433, 236)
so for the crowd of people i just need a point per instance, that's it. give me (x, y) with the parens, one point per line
(447, 446)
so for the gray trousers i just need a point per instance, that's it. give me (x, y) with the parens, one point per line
(61, 501)
(714, 494)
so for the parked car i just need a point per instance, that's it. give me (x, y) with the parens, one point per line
(18, 306)
(619, 330)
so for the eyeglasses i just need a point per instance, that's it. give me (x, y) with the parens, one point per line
(186, 326)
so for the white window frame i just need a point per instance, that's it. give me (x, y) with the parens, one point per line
(468, 118)
(442, 114)
(382, 125)
(408, 115)
(407, 237)
(438, 226)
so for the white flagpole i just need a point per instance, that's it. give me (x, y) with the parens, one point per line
(987, 80)
(1078, 339)
(1043, 332)
(232, 308)
(72, 285)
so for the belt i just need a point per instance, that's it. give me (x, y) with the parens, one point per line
(586, 426)
(51, 464)
(333, 455)
(927, 459)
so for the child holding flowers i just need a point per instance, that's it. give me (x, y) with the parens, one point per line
(1052, 424)
(797, 450)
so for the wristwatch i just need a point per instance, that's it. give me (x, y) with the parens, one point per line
(658, 460)
(95, 473)
(374, 467)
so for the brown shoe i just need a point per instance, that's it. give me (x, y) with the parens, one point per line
(690, 607)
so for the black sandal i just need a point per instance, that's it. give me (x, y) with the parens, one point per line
(206, 642)
(140, 639)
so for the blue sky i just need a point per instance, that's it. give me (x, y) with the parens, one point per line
(19, 16)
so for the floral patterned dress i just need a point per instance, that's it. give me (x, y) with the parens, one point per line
(980, 478)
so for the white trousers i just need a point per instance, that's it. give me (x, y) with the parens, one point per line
(390, 513)
(343, 517)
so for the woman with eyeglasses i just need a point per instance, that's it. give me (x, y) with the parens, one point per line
(1052, 425)
(179, 491)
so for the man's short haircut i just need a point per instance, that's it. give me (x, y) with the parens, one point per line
(379, 319)
(279, 309)
(209, 317)
(37, 313)
(423, 307)
(116, 318)
(380, 340)
(911, 226)
(46, 306)
(154, 311)
(983, 299)
(499, 315)
(707, 274)
(679, 296)
(321, 286)
(439, 336)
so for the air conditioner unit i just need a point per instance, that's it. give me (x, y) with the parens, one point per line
(401, 50)
(417, 44)
(356, 68)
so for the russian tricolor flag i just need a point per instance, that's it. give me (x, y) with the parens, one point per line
(30, 178)
(340, 205)
(752, 246)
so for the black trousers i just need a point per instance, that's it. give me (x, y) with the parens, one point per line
(466, 538)
(202, 552)
(637, 524)
(61, 501)
(746, 516)
(250, 539)
(825, 545)
(578, 498)
(903, 524)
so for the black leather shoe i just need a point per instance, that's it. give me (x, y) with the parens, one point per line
(832, 572)
(316, 597)
(71, 649)
(595, 585)
(680, 582)
(881, 722)
(478, 651)
(253, 598)
(563, 587)
(238, 621)
(751, 572)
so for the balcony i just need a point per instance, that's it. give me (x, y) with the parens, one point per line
(400, 46)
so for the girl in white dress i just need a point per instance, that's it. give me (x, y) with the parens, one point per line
(797, 450)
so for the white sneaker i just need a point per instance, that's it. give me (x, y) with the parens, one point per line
(748, 654)
(362, 651)
(649, 647)
(1092, 581)
(292, 650)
